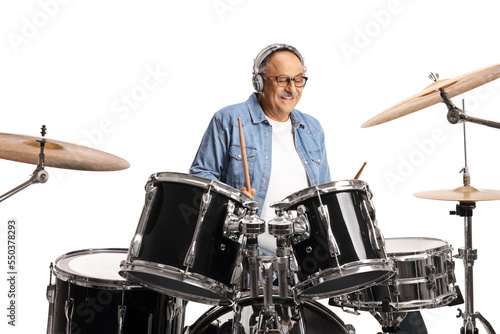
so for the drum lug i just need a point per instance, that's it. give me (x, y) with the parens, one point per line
(51, 297)
(431, 277)
(232, 226)
(333, 246)
(136, 243)
(205, 203)
(68, 312)
(122, 309)
(376, 237)
(324, 214)
(450, 265)
(301, 225)
(51, 288)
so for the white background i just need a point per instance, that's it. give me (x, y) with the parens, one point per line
(70, 65)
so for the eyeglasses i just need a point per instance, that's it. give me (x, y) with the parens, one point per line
(284, 80)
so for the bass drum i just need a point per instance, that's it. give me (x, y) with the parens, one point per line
(309, 317)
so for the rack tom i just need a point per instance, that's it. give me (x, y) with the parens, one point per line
(181, 246)
(340, 248)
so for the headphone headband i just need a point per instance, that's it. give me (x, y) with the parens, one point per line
(257, 80)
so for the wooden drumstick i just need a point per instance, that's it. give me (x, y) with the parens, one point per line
(244, 156)
(360, 171)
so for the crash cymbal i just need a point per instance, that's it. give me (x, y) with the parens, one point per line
(461, 194)
(431, 94)
(58, 154)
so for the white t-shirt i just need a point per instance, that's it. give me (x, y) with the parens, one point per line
(287, 176)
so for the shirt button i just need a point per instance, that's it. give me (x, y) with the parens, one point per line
(305, 162)
(239, 155)
(266, 157)
(263, 181)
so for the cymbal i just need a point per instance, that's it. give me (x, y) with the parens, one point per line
(431, 94)
(461, 194)
(58, 154)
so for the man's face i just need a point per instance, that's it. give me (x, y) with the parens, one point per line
(277, 102)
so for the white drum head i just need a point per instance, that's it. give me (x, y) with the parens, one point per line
(92, 267)
(413, 246)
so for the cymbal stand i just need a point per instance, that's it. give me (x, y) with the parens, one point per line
(40, 175)
(456, 115)
(464, 209)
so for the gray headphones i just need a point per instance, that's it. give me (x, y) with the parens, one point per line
(257, 81)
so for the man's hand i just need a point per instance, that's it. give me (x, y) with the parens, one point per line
(250, 193)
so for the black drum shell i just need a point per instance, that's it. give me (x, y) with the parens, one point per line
(95, 310)
(170, 228)
(89, 291)
(354, 236)
(181, 246)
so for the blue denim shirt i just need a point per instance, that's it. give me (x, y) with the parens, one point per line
(219, 155)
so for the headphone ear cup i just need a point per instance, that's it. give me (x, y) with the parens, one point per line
(258, 83)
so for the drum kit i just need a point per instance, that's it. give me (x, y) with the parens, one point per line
(197, 240)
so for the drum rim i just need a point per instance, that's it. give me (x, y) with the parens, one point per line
(202, 182)
(325, 188)
(225, 292)
(90, 282)
(350, 268)
(217, 311)
(400, 255)
(411, 305)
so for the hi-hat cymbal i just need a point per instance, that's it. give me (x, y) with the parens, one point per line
(58, 154)
(461, 194)
(431, 95)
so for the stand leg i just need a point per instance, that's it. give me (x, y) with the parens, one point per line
(469, 255)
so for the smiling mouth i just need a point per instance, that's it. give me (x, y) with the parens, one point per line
(287, 96)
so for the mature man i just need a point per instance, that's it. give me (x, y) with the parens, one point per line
(285, 148)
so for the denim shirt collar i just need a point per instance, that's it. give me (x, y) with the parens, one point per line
(258, 116)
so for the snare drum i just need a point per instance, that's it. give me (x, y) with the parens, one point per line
(181, 247)
(341, 248)
(310, 317)
(424, 278)
(90, 297)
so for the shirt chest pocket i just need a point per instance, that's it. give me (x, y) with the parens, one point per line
(316, 156)
(235, 173)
